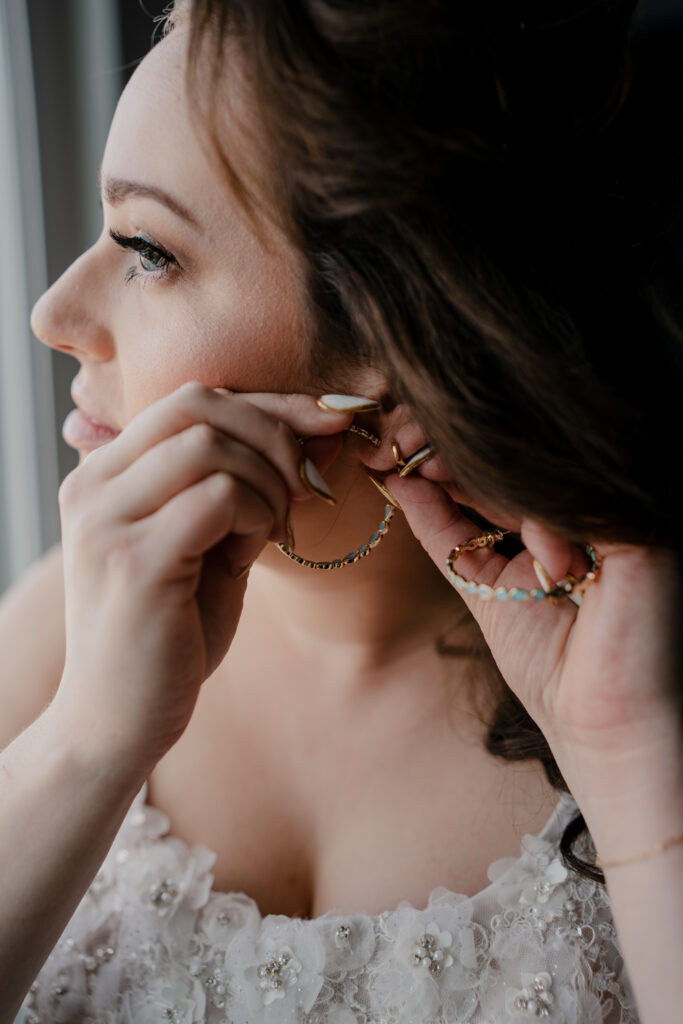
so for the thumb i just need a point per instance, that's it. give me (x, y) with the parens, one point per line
(552, 551)
(440, 525)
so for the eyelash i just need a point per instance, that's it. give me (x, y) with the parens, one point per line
(146, 250)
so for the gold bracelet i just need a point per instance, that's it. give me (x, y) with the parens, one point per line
(659, 848)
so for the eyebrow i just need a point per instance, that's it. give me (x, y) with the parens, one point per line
(115, 190)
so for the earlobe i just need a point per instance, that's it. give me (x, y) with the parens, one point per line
(399, 421)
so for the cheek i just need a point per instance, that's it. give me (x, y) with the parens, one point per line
(253, 343)
(252, 338)
(261, 343)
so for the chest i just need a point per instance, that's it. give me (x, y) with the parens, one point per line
(354, 809)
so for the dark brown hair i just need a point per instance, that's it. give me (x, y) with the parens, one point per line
(483, 194)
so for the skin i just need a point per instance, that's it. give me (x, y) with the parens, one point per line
(229, 314)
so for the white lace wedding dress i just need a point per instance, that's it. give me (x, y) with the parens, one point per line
(151, 943)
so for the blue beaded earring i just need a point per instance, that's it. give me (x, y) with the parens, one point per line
(570, 586)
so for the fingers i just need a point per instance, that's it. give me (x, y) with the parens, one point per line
(407, 444)
(440, 525)
(202, 443)
(300, 412)
(201, 516)
(265, 423)
(553, 552)
(180, 461)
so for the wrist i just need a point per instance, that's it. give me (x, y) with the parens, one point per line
(94, 748)
(632, 800)
(638, 858)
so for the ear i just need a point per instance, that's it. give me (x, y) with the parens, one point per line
(393, 419)
(395, 424)
(370, 382)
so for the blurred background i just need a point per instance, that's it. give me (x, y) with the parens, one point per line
(63, 64)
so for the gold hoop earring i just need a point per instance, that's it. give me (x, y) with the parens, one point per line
(563, 588)
(365, 549)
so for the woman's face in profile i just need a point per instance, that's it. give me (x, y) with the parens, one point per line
(177, 287)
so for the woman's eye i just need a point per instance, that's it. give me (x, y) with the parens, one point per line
(152, 259)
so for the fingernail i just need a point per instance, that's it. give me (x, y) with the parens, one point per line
(420, 456)
(347, 403)
(398, 458)
(222, 391)
(314, 482)
(383, 489)
(290, 531)
(543, 577)
(241, 571)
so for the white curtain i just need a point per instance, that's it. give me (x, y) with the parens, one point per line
(28, 454)
(61, 105)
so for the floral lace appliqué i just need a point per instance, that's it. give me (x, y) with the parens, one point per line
(151, 942)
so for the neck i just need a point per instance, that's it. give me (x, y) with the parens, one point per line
(384, 606)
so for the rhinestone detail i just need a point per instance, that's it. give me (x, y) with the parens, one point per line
(278, 970)
(536, 998)
(164, 893)
(430, 956)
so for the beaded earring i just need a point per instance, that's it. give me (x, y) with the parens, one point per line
(564, 588)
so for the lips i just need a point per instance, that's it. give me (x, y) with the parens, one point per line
(80, 431)
(83, 429)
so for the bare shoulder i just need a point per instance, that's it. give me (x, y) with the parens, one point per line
(32, 641)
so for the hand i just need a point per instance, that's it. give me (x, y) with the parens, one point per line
(156, 528)
(599, 680)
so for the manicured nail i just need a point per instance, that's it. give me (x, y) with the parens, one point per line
(383, 489)
(420, 456)
(398, 458)
(314, 482)
(543, 577)
(290, 531)
(241, 571)
(347, 403)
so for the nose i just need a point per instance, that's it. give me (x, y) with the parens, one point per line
(71, 315)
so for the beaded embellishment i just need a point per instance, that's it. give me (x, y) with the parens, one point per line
(563, 588)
